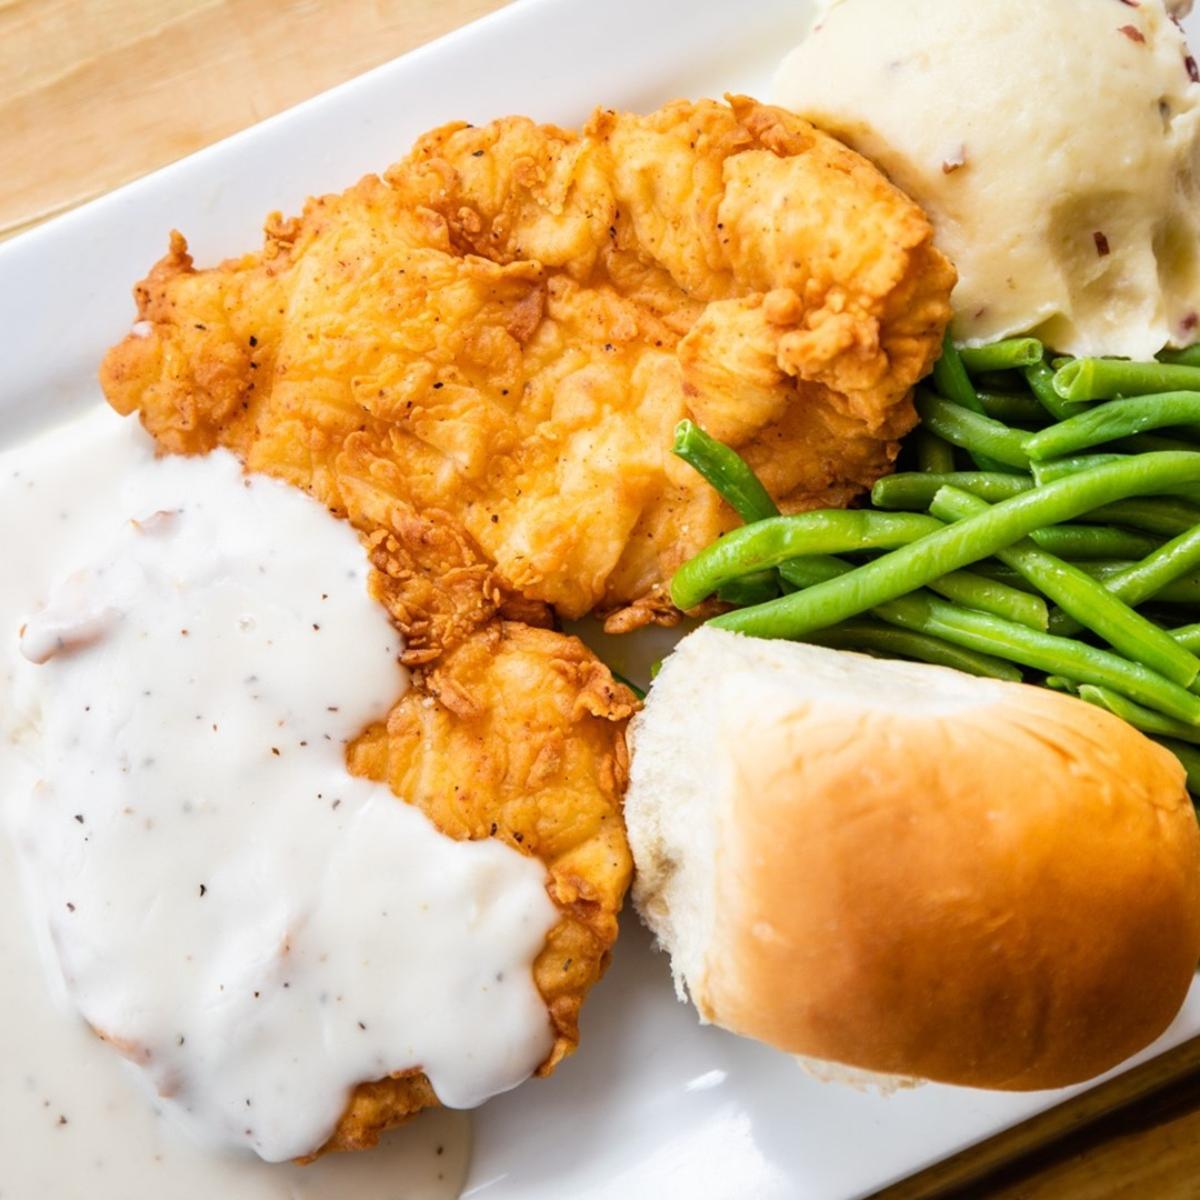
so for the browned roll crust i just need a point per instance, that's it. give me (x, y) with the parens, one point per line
(918, 873)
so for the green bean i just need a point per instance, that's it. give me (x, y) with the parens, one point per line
(913, 490)
(1078, 542)
(999, 381)
(999, 573)
(1018, 407)
(987, 595)
(1041, 382)
(976, 434)
(1180, 591)
(1158, 576)
(756, 588)
(933, 454)
(951, 379)
(947, 549)
(1140, 717)
(1183, 590)
(1171, 561)
(904, 643)
(1090, 543)
(811, 569)
(737, 484)
(1187, 635)
(1082, 597)
(1116, 419)
(1041, 651)
(1141, 443)
(1061, 468)
(964, 587)
(1188, 759)
(772, 542)
(1188, 357)
(1165, 517)
(724, 468)
(1074, 542)
(1060, 683)
(1106, 378)
(1005, 355)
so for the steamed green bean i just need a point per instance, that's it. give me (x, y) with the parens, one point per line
(1137, 715)
(1188, 357)
(811, 569)
(1061, 468)
(725, 469)
(1060, 683)
(1183, 590)
(755, 588)
(944, 550)
(950, 378)
(914, 490)
(1164, 516)
(977, 434)
(1187, 635)
(1082, 597)
(933, 454)
(963, 587)
(1084, 542)
(1005, 355)
(1169, 562)
(1159, 576)
(1018, 407)
(1106, 378)
(1141, 443)
(1113, 420)
(1041, 383)
(987, 595)
(1041, 651)
(772, 542)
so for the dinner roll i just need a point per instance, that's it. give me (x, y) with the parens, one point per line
(907, 870)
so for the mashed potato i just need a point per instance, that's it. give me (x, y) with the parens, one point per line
(1055, 145)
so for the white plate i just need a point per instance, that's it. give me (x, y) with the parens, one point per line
(652, 1105)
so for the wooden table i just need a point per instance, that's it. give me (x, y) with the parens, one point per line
(96, 92)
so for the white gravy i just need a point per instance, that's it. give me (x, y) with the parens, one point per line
(257, 930)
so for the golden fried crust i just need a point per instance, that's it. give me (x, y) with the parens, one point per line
(479, 360)
(515, 734)
(507, 326)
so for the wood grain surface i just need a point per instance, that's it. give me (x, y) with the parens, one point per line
(94, 93)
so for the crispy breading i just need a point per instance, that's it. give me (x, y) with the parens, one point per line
(512, 736)
(479, 359)
(506, 327)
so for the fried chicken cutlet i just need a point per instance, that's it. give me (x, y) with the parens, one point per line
(507, 325)
(478, 360)
(517, 733)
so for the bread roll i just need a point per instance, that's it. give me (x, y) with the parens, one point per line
(908, 870)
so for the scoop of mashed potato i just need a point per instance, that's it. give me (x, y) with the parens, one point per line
(1055, 145)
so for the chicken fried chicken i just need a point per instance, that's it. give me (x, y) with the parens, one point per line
(506, 327)
(478, 359)
(515, 735)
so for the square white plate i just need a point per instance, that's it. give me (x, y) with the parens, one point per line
(653, 1105)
